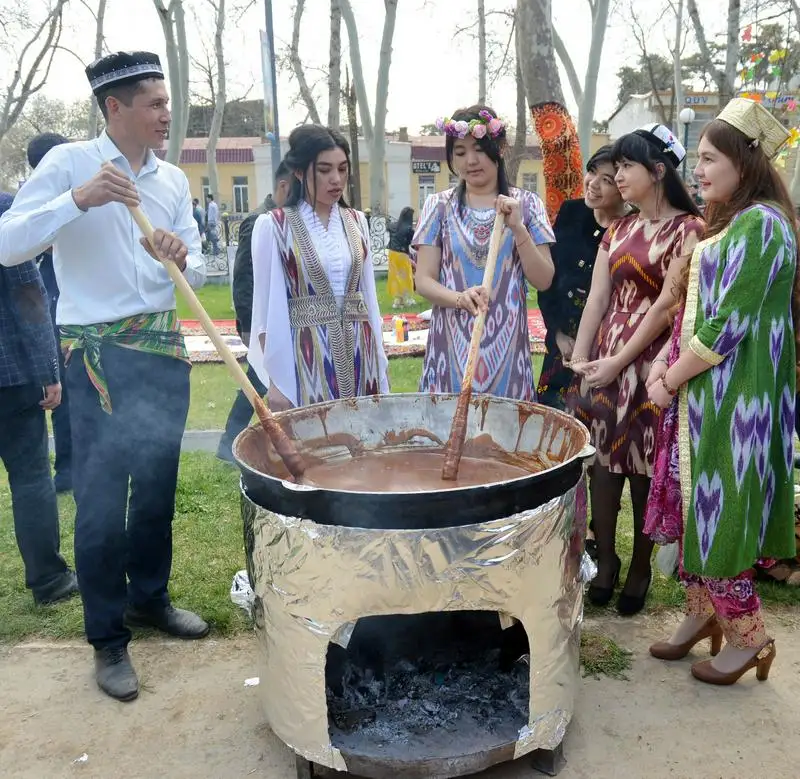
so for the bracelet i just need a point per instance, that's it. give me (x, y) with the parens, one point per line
(671, 391)
(578, 360)
(458, 300)
(660, 359)
(527, 239)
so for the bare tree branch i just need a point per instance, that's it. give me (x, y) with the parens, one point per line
(219, 96)
(99, 43)
(566, 61)
(641, 39)
(511, 37)
(42, 44)
(724, 79)
(297, 64)
(482, 52)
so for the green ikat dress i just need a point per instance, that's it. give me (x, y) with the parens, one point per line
(736, 420)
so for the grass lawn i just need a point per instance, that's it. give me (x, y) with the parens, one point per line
(213, 389)
(209, 551)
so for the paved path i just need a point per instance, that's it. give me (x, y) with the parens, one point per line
(195, 719)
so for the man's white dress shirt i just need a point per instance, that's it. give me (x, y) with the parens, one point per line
(103, 272)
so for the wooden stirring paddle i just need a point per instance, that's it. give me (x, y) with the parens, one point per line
(283, 445)
(458, 430)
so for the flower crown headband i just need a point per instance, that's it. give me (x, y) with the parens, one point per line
(484, 125)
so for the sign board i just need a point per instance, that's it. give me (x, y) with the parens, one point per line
(424, 166)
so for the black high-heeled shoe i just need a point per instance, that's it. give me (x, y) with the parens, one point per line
(601, 596)
(628, 605)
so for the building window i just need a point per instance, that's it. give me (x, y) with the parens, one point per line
(241, 198)
(206, 189)
(530, 181)
(427, 186)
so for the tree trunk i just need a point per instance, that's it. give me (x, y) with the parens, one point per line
(587, 105)
(481, 52)
(173, 25)
(297, 64)
(676, 65)
(731, 53)
(521, 134)
(335, 67)
(377, 157)
(98, 52)
(725, 80)
(535, 51)
(220, 98)
(358, 73)
(352, 121)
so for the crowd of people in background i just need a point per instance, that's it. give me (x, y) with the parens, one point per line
(671, 334)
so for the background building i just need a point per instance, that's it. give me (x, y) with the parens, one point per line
(644, 109)
(414, 166)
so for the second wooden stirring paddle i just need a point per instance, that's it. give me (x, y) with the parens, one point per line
(458, 430)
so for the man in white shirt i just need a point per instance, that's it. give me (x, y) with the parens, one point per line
(127, 368)
(212, 224)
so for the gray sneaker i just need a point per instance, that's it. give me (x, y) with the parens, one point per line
(114, 673)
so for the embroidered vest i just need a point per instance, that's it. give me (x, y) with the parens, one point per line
(335, 351)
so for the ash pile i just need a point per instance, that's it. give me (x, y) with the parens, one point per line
(455, 680)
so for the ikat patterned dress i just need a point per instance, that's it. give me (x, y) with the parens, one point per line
(504, 363)
(622, 420)
(733, 440)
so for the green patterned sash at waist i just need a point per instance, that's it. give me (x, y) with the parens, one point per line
(157, 333)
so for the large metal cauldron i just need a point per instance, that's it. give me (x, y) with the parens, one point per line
(325, 564)
(549, 442)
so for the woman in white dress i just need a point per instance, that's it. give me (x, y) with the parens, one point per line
(316, 321)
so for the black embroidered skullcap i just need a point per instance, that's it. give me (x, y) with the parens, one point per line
(123, 67)
(41, 144)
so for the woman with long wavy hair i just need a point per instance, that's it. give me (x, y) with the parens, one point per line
(729, 374)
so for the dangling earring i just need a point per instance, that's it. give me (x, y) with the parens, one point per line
(303, 188)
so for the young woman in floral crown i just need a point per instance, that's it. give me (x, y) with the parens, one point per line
(729, 375)
(452, 244)
(623, 327)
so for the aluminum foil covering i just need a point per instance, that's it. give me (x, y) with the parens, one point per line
(312, 582)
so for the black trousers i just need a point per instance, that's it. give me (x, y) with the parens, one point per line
(125, 471)
(23, 450)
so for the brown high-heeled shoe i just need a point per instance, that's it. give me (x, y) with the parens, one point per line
(664, 650)
(761, 661)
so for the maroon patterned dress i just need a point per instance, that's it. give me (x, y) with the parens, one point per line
(621, 418)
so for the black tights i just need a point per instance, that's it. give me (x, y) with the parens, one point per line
(606, 496)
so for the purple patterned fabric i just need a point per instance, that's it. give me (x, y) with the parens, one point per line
(709, 498)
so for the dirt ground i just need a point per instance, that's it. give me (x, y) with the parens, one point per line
(195, 717)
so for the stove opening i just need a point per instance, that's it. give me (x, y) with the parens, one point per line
(442, 684)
